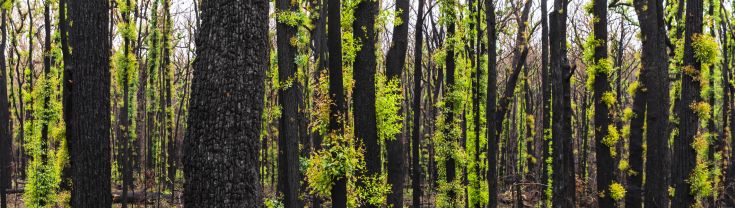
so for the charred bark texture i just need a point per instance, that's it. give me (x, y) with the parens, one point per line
(289, 181)
(654, 62)
(222, 145)
(395, 64)
(87, 109)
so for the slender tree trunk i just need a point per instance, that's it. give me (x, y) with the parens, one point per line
(450, 163)
(727, 111)
(395, 63)
(87, 109)
(416, 132)
(166, 99)
(563, 165)
(604, 151)
(338, 107)
(288, 126)
(684, 154)
(226, 105)
(492, 86)
(28, 107)
(6, 141)
(634, 195)
(546, 98)
(124, 122)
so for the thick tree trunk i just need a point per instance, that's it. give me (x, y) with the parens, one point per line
(288, 126)
(654, 61)
(364, 90)
(222, 145)
(87, 109)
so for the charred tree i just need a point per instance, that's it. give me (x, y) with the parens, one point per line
(226, 105)
(655, 82)
(416, 132)
(395, 63)
(338, 106)
(684, 154)
(5, 135)
(491, 105)
(634, 195)
(366, 130)
(601, 67)
(289, 98)
(561, 71)
(87, 105)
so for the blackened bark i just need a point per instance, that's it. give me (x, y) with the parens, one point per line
(546, 97)
(634, 196)
(520, 53)
(47, 73)
(395, 63)
(416, 132)
(288, 126)
(124, 121)
(87, 81)
(63, 31)
(5, 135)
(364, 91)
(684, 154)
(450, 164)
(727, 111)
(166, 100)
(338, 107)
(605, 161)
(563, 165)
(492, 86)
(476, 95)
(654, 62)
(530, 140)
(222, 145)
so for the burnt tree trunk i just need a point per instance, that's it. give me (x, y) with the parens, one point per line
(605, 159)
(364, 90)
(338, 107)
(684, 154)
(395, 63)
(654, 62)
(288, 126)
(563, 165)
(5, 135)
(87, 103)
(222, 145)
(491, 105)
(727, 111)
(416, 132)
(634, 196)
(546, 98)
